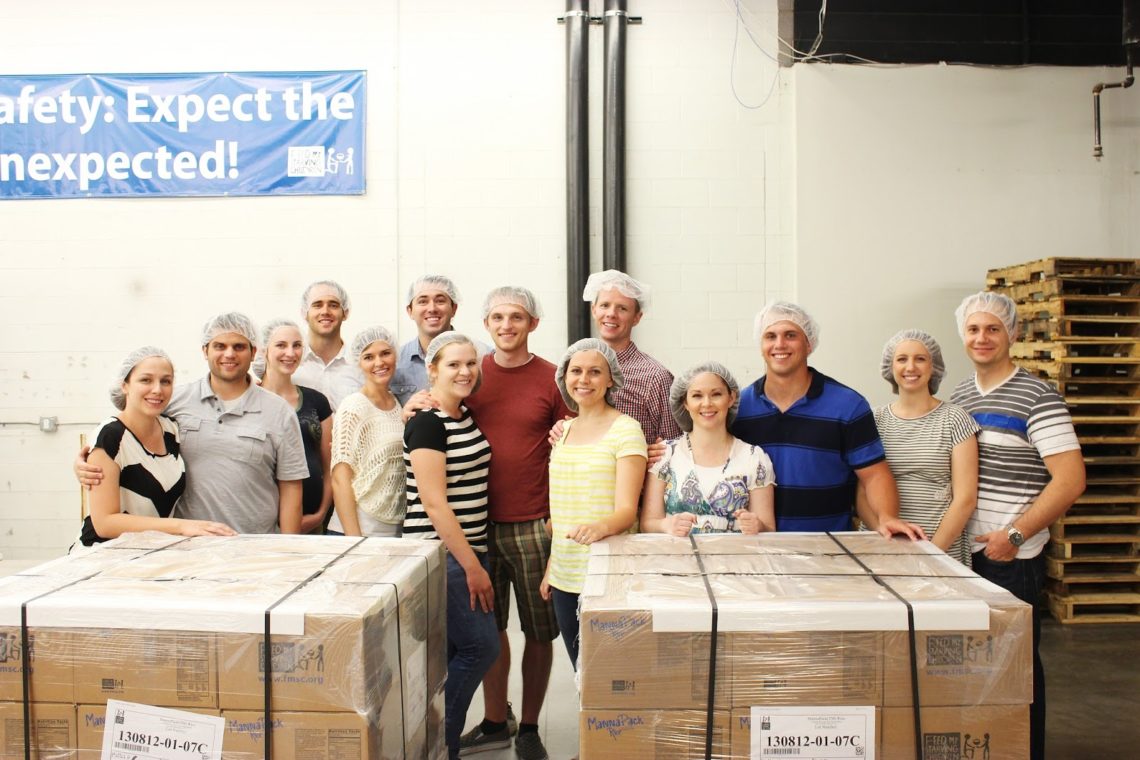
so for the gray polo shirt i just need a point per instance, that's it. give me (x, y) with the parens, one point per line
(235, 459)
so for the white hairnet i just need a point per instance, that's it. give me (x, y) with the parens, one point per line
(366, 338)
(341, 294)
(1000, 306)
(612, 279)
(118, 398)
(433, 282)
(230, 322)
(588, 344)
(445, 339)
(937, 365)
(512, 294)
(679, 390)
(257, 367)
(785, 311)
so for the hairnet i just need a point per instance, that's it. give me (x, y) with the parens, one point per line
(341, 294)
(937, 365)
(1000, 306)
(679, 390)
(445, 339)
(433, 282)
(366, 338)
(588, 344)
(612, 279)
(257, 367)
(512, 294)
(118, 398)
(785, 311)
(230, 322)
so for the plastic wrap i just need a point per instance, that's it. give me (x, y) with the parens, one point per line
(684, 641)
(356, 645)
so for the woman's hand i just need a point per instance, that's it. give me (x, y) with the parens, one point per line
(480, 587)
(588, 533)
(747, 521)
(544, 587)
(205, 528)
(680, 524)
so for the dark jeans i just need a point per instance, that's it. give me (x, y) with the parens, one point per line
(472, 647)
(1025, 579)
(566, 611)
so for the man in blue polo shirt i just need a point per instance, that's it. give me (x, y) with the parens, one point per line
(820, 434)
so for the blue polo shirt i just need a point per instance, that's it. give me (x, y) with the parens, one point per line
(815, 446)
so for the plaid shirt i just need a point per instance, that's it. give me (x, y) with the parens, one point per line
(645, 396)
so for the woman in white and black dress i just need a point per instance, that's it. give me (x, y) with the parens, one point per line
(138, 450)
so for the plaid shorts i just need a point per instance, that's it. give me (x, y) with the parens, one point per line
(518, 553)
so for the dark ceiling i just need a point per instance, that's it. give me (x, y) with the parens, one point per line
(993, 32)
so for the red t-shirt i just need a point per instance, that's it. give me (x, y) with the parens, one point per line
(515, 408)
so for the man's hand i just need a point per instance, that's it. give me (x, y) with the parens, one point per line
(88, 475)
(896, 527)
(555, 434)
(419, 400)
(656, 450)
(998, 547)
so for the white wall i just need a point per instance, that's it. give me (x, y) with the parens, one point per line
(465, 176)
(912, 182)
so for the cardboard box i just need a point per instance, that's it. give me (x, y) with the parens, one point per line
(808, 668)
(90, 723)
(994, 732)
(53, 731)
(52, 676)
(311, 736)
(650, 734)
(164, 668)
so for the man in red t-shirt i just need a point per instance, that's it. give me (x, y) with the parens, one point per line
(515, 407)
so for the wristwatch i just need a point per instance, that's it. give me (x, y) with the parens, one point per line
(1016, 537)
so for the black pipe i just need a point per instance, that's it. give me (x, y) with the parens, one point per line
(1098, 88)
(613, 150)
(577, 21)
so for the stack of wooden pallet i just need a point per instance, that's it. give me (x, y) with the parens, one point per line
(1081, 331)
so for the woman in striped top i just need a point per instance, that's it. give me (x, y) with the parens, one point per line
(931, 445)
(447, 460)
(596, 472)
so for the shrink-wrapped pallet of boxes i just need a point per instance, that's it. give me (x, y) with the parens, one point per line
(840, 645)
(337, 645)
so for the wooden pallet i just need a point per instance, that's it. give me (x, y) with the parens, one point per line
(1109, 351)
(1078, 306)
(1065, 287)
(1059, 266)
(1080, 527)
(1096, 608)
(1070, 569)
(1056, 328)
(1095, 545)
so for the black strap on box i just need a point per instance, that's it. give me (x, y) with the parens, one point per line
(914, 692)
(710, 703)
(267, 646)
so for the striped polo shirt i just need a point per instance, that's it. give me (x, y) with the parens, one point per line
(815, 446)
(468, 463)
(1023, 420)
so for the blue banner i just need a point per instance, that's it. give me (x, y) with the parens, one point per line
(291, 133)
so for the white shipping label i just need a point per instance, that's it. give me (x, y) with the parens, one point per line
(813, 733)
(143, 732)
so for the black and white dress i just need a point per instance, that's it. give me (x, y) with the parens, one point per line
(149, 484)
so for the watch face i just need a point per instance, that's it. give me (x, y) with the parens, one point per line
(1015, 537)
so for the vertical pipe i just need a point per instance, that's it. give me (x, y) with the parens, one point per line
(613, 154)
(577, 167)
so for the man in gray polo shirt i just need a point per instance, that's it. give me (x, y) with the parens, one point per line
(241, 444)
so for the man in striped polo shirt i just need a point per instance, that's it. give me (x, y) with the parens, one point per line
(820, 434)
(1030, 469)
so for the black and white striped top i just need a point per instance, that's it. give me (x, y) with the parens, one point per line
(468, 464)
(1023, 420)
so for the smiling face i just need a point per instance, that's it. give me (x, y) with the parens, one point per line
(509, 325)
(912, 366)
(454, 371)
(149, 386)
(987, 341)
(378, 362)
(784, 348)
(587, 378)
(708, 401)
(229, 356)
(431, 310)
(283, 350)
(324, 313)
(615, 315)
